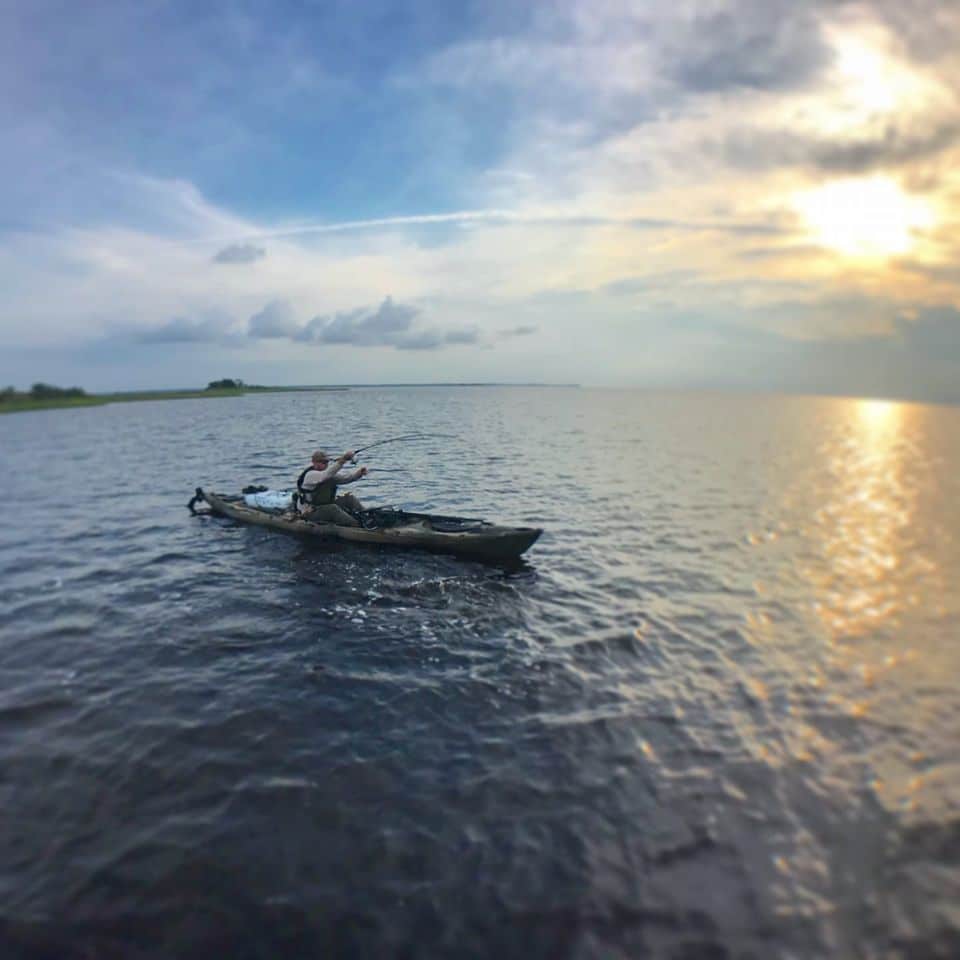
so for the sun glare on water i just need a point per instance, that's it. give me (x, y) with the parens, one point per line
(865, 217)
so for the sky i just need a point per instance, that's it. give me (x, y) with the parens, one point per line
(748, 194)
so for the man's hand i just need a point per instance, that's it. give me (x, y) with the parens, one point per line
(363, 472)
(349, 455)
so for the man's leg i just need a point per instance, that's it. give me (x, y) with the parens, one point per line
(331, 513)
(349, 502)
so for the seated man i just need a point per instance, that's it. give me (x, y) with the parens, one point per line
(318, 484)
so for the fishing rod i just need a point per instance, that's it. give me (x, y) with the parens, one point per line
(403, 437)
(406, 436)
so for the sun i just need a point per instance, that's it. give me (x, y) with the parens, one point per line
(867, 217)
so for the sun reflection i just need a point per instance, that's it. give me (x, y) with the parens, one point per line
(876, 414)
(862, 521)
(866, 560)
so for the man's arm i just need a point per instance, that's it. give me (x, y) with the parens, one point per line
(334, 468)
(356, 475)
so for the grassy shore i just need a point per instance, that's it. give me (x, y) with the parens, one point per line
(22, 402)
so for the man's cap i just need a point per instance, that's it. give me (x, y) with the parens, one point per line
(319, 455)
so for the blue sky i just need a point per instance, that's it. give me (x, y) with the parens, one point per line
(747, 194)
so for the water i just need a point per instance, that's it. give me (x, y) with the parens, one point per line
(714, 714)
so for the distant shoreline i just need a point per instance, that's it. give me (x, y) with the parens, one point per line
(485, 383)
(23, 403)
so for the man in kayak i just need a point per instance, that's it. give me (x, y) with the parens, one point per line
(318, 484)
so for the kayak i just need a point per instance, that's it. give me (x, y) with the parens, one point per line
(387, 526)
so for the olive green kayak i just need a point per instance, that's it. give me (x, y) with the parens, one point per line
(388, 527)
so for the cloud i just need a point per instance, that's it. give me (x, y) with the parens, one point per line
(391, 324)
(419, 340)
(763, 44)
(894, 148)
(310, 331)
(928, 29)
(240, 253)
(941, 273)
(935, 333)
(432, 338)
(757, 149)
(523, 330)
(385, 326)
(545, 217)
(652, 282)
(185, 330)
(274, 321)
(463, 336)
(361, 327)
(589, 69)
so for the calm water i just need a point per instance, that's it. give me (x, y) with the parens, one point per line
(715, 714)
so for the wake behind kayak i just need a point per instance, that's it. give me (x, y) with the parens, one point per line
(387, 527)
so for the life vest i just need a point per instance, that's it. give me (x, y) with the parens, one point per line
(319, 495)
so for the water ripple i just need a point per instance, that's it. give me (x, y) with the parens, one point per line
(712, 714)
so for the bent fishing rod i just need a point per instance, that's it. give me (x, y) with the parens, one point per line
(400, 439)
(406, 436)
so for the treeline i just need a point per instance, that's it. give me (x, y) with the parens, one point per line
(47, 391)
(42, 391)
(45, 395)
(227, 383)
